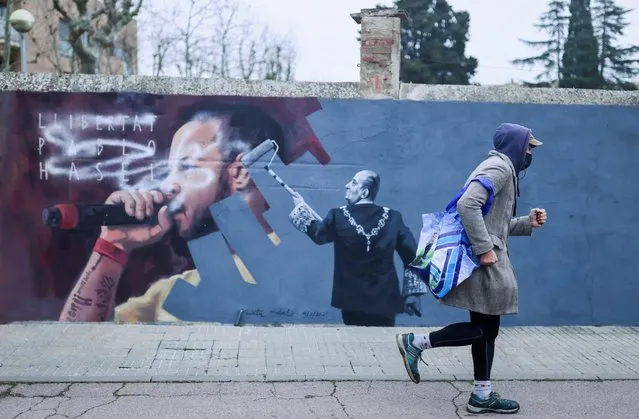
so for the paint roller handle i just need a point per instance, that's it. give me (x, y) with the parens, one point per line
(297, 198)
(291, 191)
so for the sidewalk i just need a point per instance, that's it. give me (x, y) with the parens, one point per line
(92, 352)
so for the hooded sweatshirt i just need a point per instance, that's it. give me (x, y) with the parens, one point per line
(512, 140)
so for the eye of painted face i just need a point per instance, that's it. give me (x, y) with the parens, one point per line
(185, 164)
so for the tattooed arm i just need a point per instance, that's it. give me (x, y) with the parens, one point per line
(93, 295)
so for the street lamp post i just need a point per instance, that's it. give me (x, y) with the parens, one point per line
(22, 21)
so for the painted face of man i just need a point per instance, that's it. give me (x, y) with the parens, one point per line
(195, 179)
(355, 188)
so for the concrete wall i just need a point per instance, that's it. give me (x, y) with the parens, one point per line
(423, 152)
(423, 147)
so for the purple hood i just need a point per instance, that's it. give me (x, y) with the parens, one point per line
(512, 140)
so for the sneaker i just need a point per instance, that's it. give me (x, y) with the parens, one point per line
(494, 403)
(410, 354)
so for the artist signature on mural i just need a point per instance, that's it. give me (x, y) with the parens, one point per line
(285, 312)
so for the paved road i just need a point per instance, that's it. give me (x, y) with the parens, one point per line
(90, 352)
(368, 399)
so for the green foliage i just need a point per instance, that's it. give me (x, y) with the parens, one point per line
(580, 61)
(617, 64)
(554, 23)
(433, 42)
(582, 47)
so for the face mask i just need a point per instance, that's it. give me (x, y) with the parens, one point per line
(527, 161)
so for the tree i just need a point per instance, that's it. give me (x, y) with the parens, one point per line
(580, 60)
(554, 23)
(212, 38)
(433, 42)
(616, 64)
(83, 35)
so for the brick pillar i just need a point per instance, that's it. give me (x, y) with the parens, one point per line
(380, 51)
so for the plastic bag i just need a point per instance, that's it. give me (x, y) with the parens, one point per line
(444, 257)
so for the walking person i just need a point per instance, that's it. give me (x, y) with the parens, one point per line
(491, 290)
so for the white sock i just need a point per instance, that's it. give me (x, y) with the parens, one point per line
(483, 389)
(422, 341)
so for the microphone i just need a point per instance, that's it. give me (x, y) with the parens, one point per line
(78, 216)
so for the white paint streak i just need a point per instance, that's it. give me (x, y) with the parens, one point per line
(83, 156)
(135, 165)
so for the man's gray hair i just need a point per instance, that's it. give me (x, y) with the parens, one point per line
(243, 128)
(229, 143)
(371, 182)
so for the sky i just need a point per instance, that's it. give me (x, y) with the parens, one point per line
(325, 35)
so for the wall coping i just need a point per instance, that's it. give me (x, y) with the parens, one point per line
(48, 82)
(518, 94)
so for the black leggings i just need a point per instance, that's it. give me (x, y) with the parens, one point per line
(480, 333)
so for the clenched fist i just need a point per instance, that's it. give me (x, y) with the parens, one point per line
(538, 217)
(139, 204)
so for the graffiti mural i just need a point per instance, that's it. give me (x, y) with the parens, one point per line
(161, 208)
(88, 149)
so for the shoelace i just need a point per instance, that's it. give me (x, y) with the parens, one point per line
(496, 397)
(416, 352)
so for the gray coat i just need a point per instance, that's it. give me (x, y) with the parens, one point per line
(490, 289)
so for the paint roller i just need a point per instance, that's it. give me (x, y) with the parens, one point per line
(270, 146)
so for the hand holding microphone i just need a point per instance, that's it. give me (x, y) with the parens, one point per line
(141, 205)
(129, 219)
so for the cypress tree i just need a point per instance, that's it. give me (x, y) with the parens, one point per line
(580, 62)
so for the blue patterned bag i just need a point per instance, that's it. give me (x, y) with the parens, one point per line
(444, 256)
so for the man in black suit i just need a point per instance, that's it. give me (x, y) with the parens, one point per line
(365, 237)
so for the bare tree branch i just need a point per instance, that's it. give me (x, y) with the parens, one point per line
(58, 8)
(45, 47)
(95, 30)
(212, 38)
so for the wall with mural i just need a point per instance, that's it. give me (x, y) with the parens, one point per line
(225, 247)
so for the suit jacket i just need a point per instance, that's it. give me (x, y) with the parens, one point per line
(490, 289)
(364, 275)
